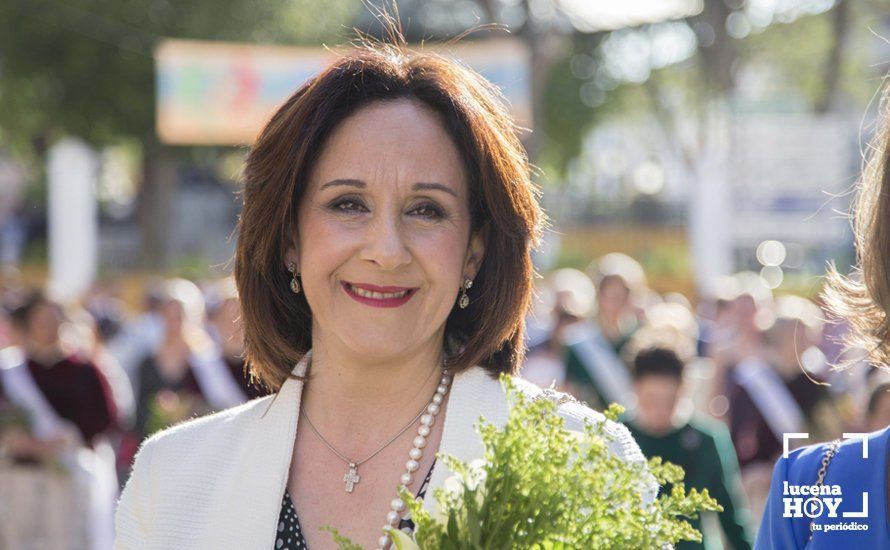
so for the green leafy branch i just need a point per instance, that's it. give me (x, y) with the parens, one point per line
(543, 486)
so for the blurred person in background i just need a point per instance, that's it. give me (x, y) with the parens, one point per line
(570, 295)
(664, 427)
(791, 348)
(761, 410)
(594, 370)
(864, 302)
(620, 282)
(101, 320)
(141, 336)
(66, 413)
(224, 328)
(741, 306)
(185, 374)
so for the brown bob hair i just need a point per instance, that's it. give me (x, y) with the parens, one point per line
(863, 300)
(503, 205)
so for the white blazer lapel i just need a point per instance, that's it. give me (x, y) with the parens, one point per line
(257, 491)
(474, 395)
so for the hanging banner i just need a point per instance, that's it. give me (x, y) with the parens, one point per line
(217, 93)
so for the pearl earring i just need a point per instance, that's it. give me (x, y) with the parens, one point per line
(294, 283)
(464, 299)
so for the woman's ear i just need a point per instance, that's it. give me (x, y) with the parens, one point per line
(292, 257)
(476, 252)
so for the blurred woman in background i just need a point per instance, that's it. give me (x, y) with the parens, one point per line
(185, 375)
(58, 409)
(224, 328)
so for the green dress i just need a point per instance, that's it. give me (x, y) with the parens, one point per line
(703, 449)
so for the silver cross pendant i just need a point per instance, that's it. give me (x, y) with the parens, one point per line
(351, 478)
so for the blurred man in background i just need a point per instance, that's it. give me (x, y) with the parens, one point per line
(702, 447)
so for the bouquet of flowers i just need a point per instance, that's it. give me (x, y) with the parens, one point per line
(541, 486)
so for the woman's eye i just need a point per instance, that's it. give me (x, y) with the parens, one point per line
(347, 205)
(430, 211)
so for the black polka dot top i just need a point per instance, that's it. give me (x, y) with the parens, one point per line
(290, 537)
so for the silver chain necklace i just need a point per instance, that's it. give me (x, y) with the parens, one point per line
(427, 416)
(352, 478)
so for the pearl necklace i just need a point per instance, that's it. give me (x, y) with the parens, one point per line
(397, 506)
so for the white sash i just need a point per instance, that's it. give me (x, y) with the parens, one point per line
(601, 362)
(93, 471)
(217, 384)
(20, 388)
(770, 395)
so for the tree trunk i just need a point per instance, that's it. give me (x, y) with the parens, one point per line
(155, 207)
(840, 18)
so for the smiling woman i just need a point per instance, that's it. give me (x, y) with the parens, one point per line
(384, 249)
(379, 132)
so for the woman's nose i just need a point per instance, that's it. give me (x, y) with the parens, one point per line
(385, 243)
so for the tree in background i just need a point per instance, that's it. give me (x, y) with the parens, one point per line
(85, 68)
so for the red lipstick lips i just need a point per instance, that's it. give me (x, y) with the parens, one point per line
(378, 296)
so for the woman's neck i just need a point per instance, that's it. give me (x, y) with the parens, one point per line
(43, 353)
(356, 404)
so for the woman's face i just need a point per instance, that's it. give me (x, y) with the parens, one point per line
(173, 312)
(383, 235)
(613, 297)
(43, 323)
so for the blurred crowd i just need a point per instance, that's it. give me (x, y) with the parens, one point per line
(81, 385)
(711, 387)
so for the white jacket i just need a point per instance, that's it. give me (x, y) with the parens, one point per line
(217, 482)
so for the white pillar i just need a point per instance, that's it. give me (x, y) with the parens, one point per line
(73, 218)
(710, 214)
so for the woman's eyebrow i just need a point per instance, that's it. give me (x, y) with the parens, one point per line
(349, 182)
(434, 187)
(429, 186)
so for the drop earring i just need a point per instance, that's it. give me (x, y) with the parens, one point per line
(294, 283)
(464, 299)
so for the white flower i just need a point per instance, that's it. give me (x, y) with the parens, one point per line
(453, 486)
(477, 474)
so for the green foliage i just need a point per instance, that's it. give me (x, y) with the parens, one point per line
(542, 486)
(86, 67)
(565, 118)
(343, 542)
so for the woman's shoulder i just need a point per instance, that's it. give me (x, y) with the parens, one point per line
(577, 415)
(186, 473)
(856, 468)
(851, 453)
(219, 426)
